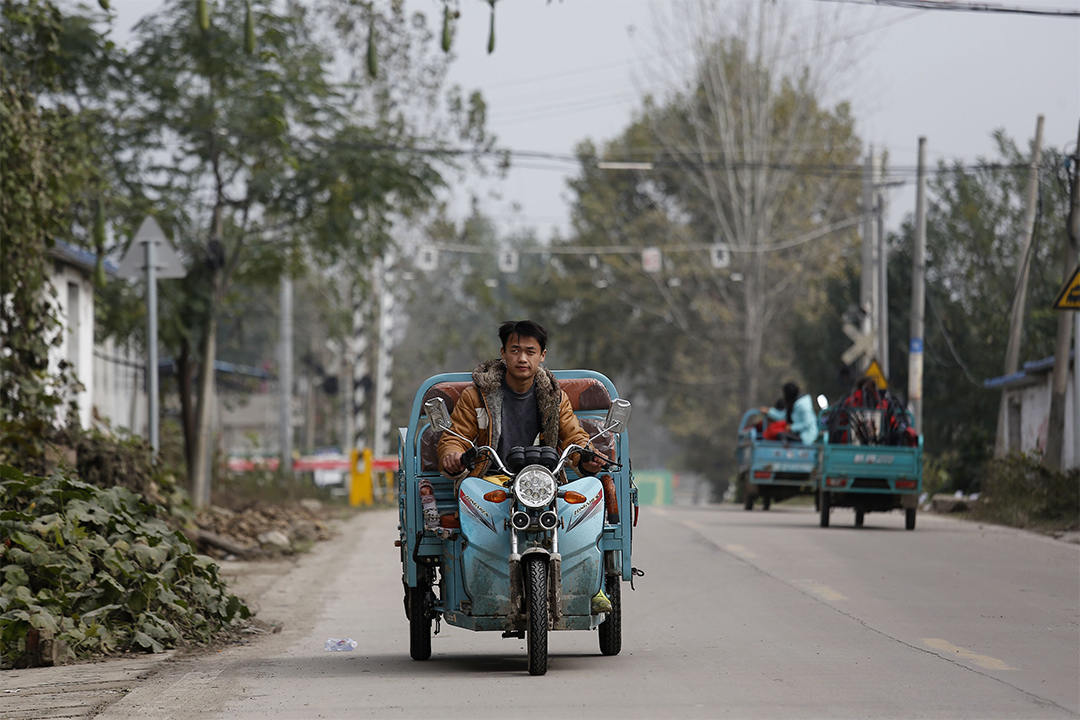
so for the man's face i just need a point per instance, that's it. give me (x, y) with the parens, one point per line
(522, 356)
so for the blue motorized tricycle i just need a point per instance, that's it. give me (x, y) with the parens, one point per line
(869, 464)
(772, 469)
(524, 551)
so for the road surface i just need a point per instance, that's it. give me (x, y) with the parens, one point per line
(740, 614)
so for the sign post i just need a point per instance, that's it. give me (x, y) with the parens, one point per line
(160, 261)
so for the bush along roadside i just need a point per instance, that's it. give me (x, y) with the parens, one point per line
(1019, 491)
(89, 571)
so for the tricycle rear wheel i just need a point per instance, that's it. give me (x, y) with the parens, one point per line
(419, 623)
(536, 581)
(860, 515)
(824, 503)
(611, 629)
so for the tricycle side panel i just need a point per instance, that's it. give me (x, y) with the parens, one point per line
(582, 561)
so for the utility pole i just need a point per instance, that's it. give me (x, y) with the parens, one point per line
(1055, 437)
(285, 373)
(384, 375)
(1016, 319)
(360, 376)
(883, 271)
(868, 279)
(918, 294)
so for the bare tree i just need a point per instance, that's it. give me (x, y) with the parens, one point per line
(760, 162)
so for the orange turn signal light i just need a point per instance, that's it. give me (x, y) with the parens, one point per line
(495, 496)
(574, 498)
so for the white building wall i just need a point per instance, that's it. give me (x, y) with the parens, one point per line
(1035, 417)
(73, 287)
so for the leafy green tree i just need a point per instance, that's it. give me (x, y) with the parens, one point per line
(50, 188)
(261, 161)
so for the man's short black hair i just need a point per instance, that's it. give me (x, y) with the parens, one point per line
(523, 328)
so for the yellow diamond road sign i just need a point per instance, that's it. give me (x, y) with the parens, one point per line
(874, 373)
(1068, 298)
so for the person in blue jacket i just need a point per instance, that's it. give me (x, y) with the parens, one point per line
(799, 413)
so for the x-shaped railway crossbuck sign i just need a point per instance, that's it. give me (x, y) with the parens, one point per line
(864, 344)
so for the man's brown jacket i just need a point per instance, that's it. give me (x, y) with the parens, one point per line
(478, 415)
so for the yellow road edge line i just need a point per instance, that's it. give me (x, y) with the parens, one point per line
(983, 661)
(740, 551)
(822, 591)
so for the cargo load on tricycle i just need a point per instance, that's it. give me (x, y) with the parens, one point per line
(528, 547)
(871, 456)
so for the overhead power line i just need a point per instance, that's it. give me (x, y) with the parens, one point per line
(968, 7)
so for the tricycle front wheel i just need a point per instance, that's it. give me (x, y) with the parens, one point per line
(419, 623)
(536, 585)
(909, 519)
(611, 629)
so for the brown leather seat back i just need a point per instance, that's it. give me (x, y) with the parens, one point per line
(586, 394)
(448, 391)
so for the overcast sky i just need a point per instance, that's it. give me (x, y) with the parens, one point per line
(569, 70)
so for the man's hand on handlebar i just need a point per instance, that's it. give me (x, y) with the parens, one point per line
(452, 463)
(455, 462)
(592, 462)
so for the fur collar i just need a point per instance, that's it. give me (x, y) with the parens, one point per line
(488, 379)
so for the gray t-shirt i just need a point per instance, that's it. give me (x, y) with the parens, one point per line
(520, 419)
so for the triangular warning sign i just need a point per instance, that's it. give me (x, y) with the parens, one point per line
(1068, 297)
(874, 373)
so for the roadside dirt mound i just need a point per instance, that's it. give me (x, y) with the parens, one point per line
(260, 531)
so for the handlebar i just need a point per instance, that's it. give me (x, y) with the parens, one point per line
(470, 456)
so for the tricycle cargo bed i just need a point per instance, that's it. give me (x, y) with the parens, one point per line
(872, 468)
(782, 464)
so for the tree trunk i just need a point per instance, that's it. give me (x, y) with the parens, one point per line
(200, 485)
(185, 371)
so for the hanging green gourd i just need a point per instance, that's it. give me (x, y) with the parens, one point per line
(372, 55)
(249, 29)
(99, 244)
(104, 4)
(447, 30)
(202, 14)
(491, 30)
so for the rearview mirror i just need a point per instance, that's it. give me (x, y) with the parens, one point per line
(438, 415)
(618, 415)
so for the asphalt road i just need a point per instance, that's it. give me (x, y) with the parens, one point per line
(740, 614)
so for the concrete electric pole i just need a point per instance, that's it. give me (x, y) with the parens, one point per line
(1016, 319)
(918, 295)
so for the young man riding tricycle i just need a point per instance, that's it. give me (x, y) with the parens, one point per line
(529, 529)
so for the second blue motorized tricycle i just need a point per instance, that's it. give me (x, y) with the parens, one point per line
(772, 469)
(520, 552)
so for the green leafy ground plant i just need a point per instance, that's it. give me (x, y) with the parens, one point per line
(95, 571)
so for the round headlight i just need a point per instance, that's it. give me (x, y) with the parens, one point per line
(534, 486)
